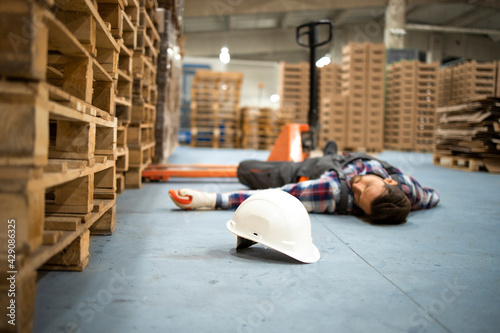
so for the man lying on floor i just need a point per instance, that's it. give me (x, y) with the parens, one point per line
(344, 184)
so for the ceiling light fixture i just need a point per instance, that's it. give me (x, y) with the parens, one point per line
(326, 60)
(224, 56)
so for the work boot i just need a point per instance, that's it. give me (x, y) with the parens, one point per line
(192, 199)
(330, 148)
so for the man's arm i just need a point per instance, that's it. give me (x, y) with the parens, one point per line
(316, 195)
(420, 197)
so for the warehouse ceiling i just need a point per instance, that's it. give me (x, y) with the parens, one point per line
(265, 23)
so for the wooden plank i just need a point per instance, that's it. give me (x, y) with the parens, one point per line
(75, 139)
(24, 49)
(55, 179)
(104, 39)
(23, 201)
(105, 225)
(75, 109)
(50, 237)
(25, 292)
(45, 252)
(112, 13)
(82, 26)
(98, 204)
(24, 117)
(62, 223)
(73, 257)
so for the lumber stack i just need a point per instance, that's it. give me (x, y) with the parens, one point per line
(293, 89)
(412, 99)
(140, 130)
(58, 143)
(215, 110)
(468, 130)
(445, 79)
(332, 106)
(363, 83)
(262, 126)
(124, 22)
(169, 83)
(473, 81)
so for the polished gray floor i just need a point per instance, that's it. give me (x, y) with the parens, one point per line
(166, 270)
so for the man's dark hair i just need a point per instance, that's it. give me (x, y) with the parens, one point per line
(391, 207)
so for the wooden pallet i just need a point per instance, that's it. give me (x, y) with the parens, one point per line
(411, 103)
(59, 138)
(215, 112)
(459, 162)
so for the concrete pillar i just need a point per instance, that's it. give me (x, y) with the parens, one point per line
(435, 52)
(394, 34)
(337, 43)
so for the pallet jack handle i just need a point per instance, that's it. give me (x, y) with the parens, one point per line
(311, 30)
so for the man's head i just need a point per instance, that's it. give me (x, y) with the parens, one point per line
(381, 199)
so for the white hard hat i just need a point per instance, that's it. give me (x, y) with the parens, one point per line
(275, 219)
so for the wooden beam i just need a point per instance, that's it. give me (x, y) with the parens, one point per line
(459, 30)
(196, 8)
(471, 17)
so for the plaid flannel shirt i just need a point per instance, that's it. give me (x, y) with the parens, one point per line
(322, 195)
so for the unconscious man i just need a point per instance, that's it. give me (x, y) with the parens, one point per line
(354, 184)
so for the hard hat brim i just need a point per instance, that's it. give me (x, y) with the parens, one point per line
(308, 256)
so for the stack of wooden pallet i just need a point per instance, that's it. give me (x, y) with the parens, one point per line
(332, 106)
(124, 18)
(293, 89)
(140, 131)
(169, 84)
(215, 110)
(262, 126)
(412, 98)
(444, 86)
(363, 82)
(468, 130)
(472, 81)
(58, 142)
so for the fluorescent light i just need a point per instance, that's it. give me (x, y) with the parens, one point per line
(224, 56)
(326, 60)
(274, 98)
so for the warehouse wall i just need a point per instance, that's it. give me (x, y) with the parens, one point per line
(255, 73)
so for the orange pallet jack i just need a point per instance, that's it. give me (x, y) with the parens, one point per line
(295, 140)
(288, 147)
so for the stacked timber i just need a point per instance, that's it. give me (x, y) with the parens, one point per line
(215, 110)
(332, 106)
(412, 99)
(363, 85)
(123, 17)
(293, 88)
(262, 126)
(169, 83)
(58, 143)
(140, 130)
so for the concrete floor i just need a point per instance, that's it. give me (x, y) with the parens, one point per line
(166, 270)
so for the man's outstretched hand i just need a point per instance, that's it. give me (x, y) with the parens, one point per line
(192, 199)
